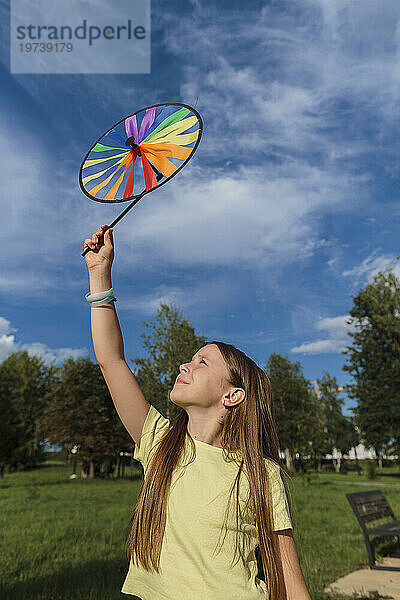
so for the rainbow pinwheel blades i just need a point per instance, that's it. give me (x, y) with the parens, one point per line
(141, 152)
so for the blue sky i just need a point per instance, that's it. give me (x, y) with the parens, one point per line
(288, 207)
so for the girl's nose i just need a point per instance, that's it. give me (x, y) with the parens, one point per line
(183, 368)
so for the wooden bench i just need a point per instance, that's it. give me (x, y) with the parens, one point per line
(368, 507)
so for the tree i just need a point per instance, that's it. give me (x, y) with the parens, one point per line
(319, 445)
(81, 411)
(171, 342)
(355, 440)
(24, 381)
(291, 405)
(373, 359)
(339, 430)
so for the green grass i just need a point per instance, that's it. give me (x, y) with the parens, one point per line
(328, 537)
(65, 539)
(390, 475)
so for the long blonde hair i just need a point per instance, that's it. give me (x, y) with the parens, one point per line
(248, 430)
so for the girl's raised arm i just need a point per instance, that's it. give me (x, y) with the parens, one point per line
(129, 401)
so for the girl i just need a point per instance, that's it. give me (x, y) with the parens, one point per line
(224, 440)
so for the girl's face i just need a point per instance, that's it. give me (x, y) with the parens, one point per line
(203, 380)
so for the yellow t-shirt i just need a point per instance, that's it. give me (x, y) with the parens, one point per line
(190, 567)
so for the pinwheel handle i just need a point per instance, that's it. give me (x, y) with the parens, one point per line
(132, 204)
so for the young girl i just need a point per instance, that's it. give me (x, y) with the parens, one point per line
(223, 441)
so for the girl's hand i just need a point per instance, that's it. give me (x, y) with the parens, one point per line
(102, 249)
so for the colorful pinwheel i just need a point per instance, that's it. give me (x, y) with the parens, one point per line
(141, 152)
(135, 155)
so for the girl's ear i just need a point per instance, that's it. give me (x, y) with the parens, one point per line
(235, 396)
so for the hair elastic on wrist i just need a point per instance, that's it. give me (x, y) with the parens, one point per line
(101, 297)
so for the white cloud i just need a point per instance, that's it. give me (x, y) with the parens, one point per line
(337, 338)
(49, 354)
(7, 342)
(47, 220)
(373, 264)
(336, 326)
(299, 76)
(8, 345)
(254, 216)
(320, 347)
(218, 292)
(148, 303)
(5, 327)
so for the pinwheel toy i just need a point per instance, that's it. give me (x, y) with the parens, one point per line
(139, 154)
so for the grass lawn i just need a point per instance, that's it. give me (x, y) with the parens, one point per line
(65, 539)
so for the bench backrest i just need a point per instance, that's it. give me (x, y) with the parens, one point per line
(369, 506)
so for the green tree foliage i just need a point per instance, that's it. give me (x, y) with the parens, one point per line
(291, 405)
(339, 431)
(171, 342)
(80, 411)
(373, 359)
(24, 381)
